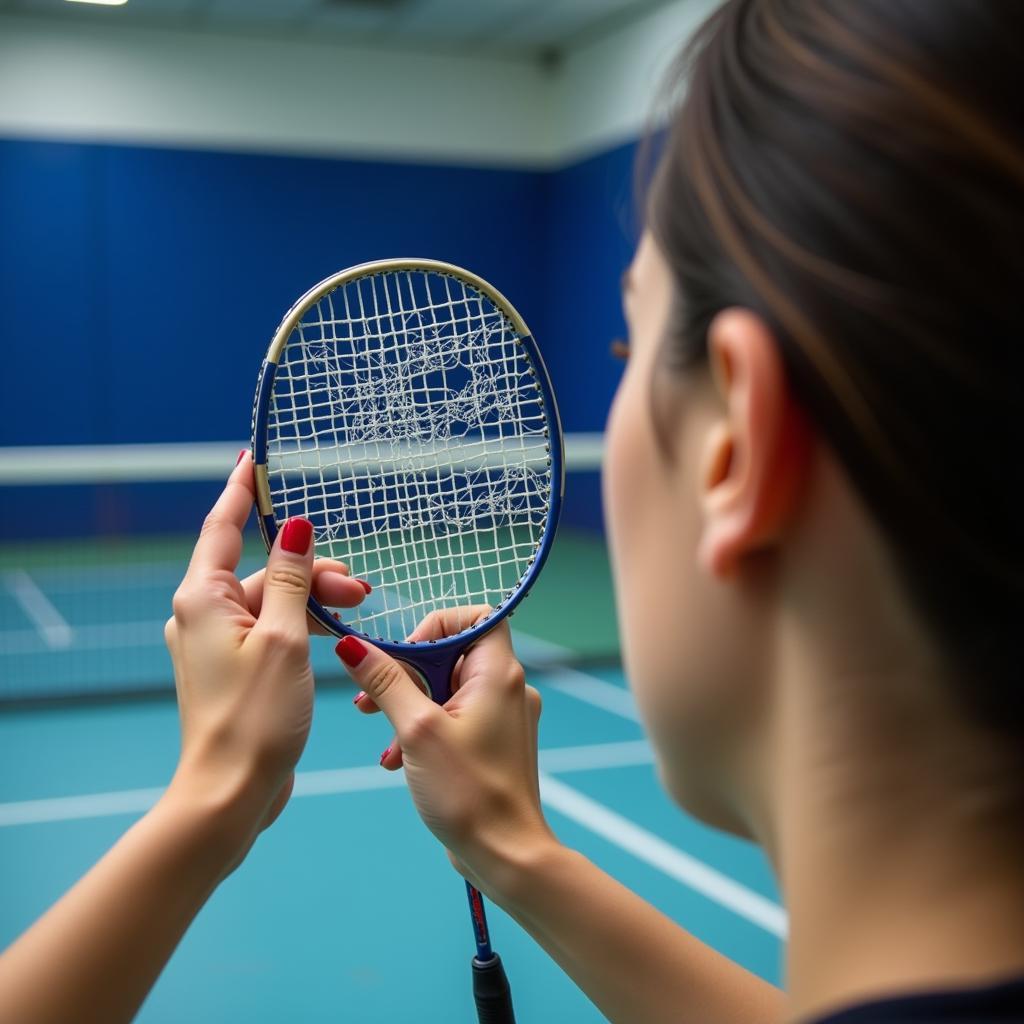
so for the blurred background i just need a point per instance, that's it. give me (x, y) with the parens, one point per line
(173, 175)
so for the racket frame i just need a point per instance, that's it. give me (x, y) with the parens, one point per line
(434, 659)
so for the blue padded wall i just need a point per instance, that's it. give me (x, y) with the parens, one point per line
(590, 236)
(140, 285)
(52, 335)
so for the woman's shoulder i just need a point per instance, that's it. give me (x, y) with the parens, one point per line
(1002, 1003)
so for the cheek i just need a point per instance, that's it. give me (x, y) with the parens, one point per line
(651, 536)
(678, 629)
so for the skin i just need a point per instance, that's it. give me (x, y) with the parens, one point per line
(799, 702)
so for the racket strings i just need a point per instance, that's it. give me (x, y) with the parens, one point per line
(407, 423)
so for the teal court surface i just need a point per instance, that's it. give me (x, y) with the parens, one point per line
(347, 909)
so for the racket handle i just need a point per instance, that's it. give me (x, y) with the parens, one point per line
(491, 992)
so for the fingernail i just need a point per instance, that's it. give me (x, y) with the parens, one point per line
(359, 696)
(296, 535)
(384, 756)
(241, 455)
(350, 650)
(366, 586)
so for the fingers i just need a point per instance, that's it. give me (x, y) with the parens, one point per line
(387, 684)
(332, 586)
(448, 621)
(287, 580)
(391, 759)
(496, 645)
(493, 646)
(365, 703)
(490, 656)
(220, 541)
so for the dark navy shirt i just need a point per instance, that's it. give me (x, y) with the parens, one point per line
(996, 1003)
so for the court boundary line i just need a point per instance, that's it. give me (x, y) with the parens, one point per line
(660, 854)
(550, 658)
(317, 782)
(557, 795)
(57, 634)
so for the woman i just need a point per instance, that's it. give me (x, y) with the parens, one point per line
(817, 564)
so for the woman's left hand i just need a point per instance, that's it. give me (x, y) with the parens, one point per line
(241, 663)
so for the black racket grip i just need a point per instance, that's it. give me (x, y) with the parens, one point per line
(491, 992)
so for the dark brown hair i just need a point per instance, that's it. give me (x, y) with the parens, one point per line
(853, 171)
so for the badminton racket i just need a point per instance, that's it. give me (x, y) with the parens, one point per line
(404, 409)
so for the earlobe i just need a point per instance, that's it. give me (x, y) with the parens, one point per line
(755, 458)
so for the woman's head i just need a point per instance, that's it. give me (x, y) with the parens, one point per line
(820, 415)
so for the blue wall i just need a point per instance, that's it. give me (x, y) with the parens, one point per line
(139, 287)
(589, 241)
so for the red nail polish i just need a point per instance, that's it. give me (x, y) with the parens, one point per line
(359, 696)
(241, 455)
(383, 757)
(296, 535)
(366, 586)
(350, 650)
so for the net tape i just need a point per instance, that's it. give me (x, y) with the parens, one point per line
(406, 421)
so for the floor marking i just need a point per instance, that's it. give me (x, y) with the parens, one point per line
(553, 660)
(656, 852)
(76, 808)
(312, 783)
(595, 817)
(539, 652)
(591, 690)
(38, 607)
(627, 754)
(98, 636)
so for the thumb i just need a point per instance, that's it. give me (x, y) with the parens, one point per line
(288, 578)
(389, 686)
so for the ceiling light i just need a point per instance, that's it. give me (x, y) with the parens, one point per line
(102, 3)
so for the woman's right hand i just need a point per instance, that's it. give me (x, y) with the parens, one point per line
(471, 765)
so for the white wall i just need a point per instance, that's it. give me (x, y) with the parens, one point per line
(75, 81)
(78, 81)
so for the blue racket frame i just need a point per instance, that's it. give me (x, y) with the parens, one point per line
(433, 660)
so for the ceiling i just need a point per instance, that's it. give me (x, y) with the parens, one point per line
(527, 29)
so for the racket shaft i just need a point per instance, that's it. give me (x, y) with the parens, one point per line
(479, 918)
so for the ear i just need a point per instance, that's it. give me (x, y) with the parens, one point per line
(755, 458)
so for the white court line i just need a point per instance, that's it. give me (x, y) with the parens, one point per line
(99, 636)
(37, 606)
(659, 854)
(595, 817)
(76, 808)
(591, 690)
(624, 754)
(551, 658)
(313, 783)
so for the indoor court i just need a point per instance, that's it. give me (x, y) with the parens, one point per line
(173, 174)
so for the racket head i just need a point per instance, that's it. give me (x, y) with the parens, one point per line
(304, 329)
